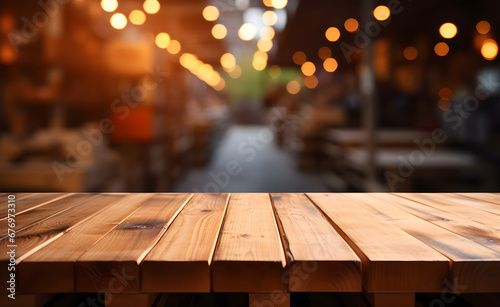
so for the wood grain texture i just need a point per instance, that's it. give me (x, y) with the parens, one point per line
(489, 197)
(463, 207)
(180, 261)
(26, 201)
(472, 230)
(116, 258)
(473, 264)
(52, 268)
(393, 261)
(249, 256)
(320, 260)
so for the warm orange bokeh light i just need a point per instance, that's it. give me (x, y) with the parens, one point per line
(330, 65)
(228, 61)
(174, 47)
(299, 57)
(210, 13)
(445, 93)
(109, 5)
(308, 68)
(351, 25)
(118, 21)
(441, 49)
(269, 18)
(137, 17)
(381, 12)
(246, 32)
(410, 53)
(265, 44)
(324, 53)
(162, 40)
(448, 30)
(444, 104)
(259, 62)
(279, 4)
(293, 87)
(267, 32)
(219, 31)
(332, 34)
(489, 50)
(483, 27)
(311, 82)
(151, 6)
(235, 73)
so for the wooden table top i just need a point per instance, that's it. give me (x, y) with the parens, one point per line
(152, 243)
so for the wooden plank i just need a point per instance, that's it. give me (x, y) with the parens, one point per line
(51, 269)
(42, 212)
(393, 261)
(489, 197)
(320, 260)
(185, 252)
(30, 201)
(475, 231)
(473, 264)
(466, 208)
(274, 299)
(116, 258)
(249, 256)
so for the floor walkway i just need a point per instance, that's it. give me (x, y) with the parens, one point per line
(248, 160)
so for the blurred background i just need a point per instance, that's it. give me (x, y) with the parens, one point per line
(249, 95)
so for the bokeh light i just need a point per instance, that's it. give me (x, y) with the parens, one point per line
(445, 93)
(489, 50)
(444, 104)
(330, 65)
(332, 34)
(274, 71)
(299, 57)
(441, 49)
(410, 53)
(219, 31)
(267, 32)
(483, 27)
(448, 30)
(151, 6)
(109, 5)
(279, 4)
(351, 25)
(293, 87)
(246, 32)
(228, 61)
(381, 13)
(174, 47)
(118, 21)
(324, 53)
(210, 13)
(311, 82)
(265, 44)
(137, 17)
(308, 68)
(269, 18)
(162, 40)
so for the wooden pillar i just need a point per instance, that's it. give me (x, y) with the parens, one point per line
(274, 299)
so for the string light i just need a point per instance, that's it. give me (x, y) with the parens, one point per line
(489, 50)
(219, 31)
(330, 65)
(299, 57)
(351, 25)
(174, 47)
(269, 18)
(311, 82)
(293, 87)
(279, 4)
(246, 32)
(274, 71)
(410, 53)
(162, 40)
(381, 13)
(308, 68)
(324, 53)
(483, 27)
(441, 49)
(332, 34)
(265, 44)
(228, 61)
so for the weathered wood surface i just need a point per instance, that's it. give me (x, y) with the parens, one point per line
(256, 243)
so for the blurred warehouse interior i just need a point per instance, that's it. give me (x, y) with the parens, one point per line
(249, 95)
